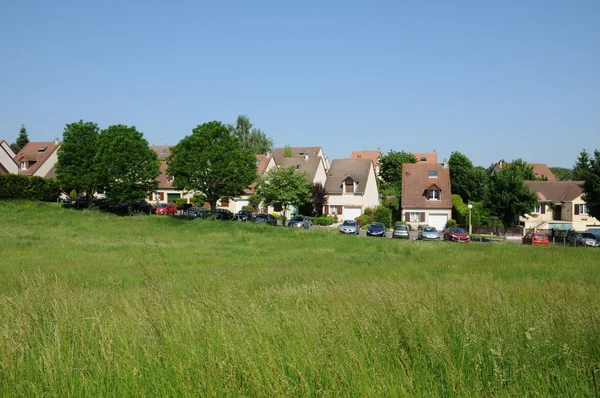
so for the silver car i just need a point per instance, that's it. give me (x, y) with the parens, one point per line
(349, 227)
(401, 232)
(428, 233)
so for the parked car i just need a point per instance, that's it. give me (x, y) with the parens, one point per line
(166, 209)
(581, 239)
(456, 235)
(596, 233)
(243, 215)
(264, 218)
(376, 229)
(300, 222)
(223, 214)
(536, 238)
(349, 227)
(401, 232)
(196, 212)
(428, 233)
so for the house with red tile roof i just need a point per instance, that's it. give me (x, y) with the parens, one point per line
(165, 192)
(38, 158)
(561, 206)
(426, 195)
(371, 155)
(7, 159)
(540, 170)
(425, 157)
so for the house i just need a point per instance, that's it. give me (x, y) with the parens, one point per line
(426, 194)
(38, 158)
(302, 152)
(352, 187)
(425, 157)
(540, 170)
(314, 167)
(264, 163)
(165, 192)
(8, 165)
(371, 155)
(560, 207)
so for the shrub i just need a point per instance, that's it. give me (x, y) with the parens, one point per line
(73, 194)
(383, 215)
(180, 203)
(451, 223)
(325, 221)
(15, 186)
(362, 220)
(370, 212)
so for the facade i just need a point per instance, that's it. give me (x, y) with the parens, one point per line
(8, 165)
(38, 159)
(371, 155)
(426, 195)
(352, 187)
(165, 192)
(561, 207)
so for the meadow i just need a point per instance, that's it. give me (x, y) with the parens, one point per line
(93, 304)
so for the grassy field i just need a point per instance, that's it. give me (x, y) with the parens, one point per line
(93, 304)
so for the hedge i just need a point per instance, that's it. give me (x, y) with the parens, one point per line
(323, 220)
(383, 215)
(15, 186)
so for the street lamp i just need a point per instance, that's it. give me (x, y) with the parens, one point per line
(470, 206)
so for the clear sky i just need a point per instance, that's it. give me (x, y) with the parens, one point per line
(491, 79)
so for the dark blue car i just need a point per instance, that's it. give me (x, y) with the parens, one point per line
(376, 229)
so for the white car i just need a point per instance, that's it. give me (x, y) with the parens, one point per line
(349, 227)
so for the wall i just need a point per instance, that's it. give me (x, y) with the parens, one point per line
(48, 164)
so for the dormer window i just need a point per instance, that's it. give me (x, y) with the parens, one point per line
(433, 173)
(349, 185)
(433, 194)
(170, 178)
(23, 165)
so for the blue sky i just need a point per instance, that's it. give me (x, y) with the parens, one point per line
(491, 79)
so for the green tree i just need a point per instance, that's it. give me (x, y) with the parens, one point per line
(390, 172)
(283, 187)
(125, 164)
(287, 152)
(75, 168)
(508, 196)
(212, 161)
(561, 173)
(318, 199)
(522, 167)
(22, 140)
(467, 181)
(582, 166)
(589, 172)
(251, 138)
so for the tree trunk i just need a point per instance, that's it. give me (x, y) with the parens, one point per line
(213, 206)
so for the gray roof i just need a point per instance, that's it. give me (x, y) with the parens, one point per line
(341, 169)
(297, 152)
(556, 191)
(308, 166)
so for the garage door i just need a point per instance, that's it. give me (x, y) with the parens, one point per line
(350, 213)
(438, 221)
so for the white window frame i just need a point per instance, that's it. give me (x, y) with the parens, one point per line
(433, 194)
(333, 209)
(583, 209)
(432, 173)
(414, 216)
(23, 165)
(155, 195)
(537, 209)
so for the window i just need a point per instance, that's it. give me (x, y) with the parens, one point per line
(581, 209)
(358, 156)
(225, 202)
(297, 166)
(349, 187)
(433, 173)
(156, 196)
(170, 178)
(333, 209)
(415, 216)
(433, 194)
(23, 165)
(423, 159)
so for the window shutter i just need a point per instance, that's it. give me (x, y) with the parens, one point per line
(576, 210)
(325, 209)
(162, 196)
(543, 210)
(150, 197)
(340, 209)
(422, 216)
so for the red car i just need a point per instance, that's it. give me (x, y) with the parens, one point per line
(457, 235)
(166, 208)
(537, 238)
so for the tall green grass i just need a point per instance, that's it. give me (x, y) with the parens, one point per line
(93, 304)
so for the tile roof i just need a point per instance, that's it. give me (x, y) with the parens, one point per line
(431, 157)
(31, 152)
(542, 170)
(297, 152)
(416, 180)
(371, 155)
(556, 191)
(357, 169)
(308, 166)
(161, 150)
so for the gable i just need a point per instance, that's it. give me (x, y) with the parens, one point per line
(416, 182)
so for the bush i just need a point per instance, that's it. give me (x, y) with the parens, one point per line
(180, 203)
(383, 215)
(362, 220)
(451, 223)
(325, 221)
(15, 186)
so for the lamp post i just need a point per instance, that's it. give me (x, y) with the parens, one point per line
(470, 206)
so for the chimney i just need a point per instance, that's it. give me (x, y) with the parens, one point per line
(56, 141)
(305, 157)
